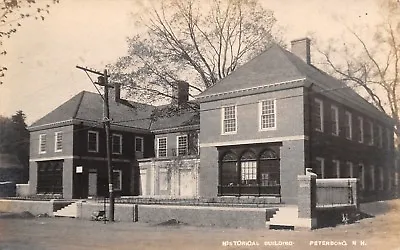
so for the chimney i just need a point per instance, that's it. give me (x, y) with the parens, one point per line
(115, 93)
(301, 48)
(181, 93)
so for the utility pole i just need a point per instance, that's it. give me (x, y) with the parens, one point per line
(103, 81)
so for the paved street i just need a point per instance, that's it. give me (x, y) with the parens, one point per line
(381, 232)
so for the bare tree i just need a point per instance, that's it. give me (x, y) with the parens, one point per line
(194, 41)
(373, 66)
(12, 13)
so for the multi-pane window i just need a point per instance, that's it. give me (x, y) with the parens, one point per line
(116, 144)
(372, 177)
(139, 144)
(182, 145)
(347, 170)
(229, 120)
(320, 167)
(335, 120)
(58, 138)
(336, 167)
(268, 114)
(93, 141)
(362, 175)
(381, 178)
(249, 172)
(388, 139)
(49, 177)
(117, 180)
(348, 125)
(319, 115)
(162, 147)
(371, 133)
(360, 129)
(42, 143)
(380, 136)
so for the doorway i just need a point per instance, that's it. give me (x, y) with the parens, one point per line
(92, 190)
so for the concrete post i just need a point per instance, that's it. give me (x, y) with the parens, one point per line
(51, 208)
(307, 200)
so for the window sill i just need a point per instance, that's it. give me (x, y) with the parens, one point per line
(229, 133)
(266, 129)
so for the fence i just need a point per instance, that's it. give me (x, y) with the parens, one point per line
(331, 193)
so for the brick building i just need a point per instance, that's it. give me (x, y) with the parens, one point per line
(266, 122)
(257, 130)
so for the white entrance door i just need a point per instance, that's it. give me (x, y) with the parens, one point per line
(186, 183)
(92, 182)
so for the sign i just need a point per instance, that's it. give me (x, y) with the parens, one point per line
(79, 169)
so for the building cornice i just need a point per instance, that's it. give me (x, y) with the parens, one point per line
(176, 129)
(254, 141)
(249, 91)
(75, 157)
(78, 121)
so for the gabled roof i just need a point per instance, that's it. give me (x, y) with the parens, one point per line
(277, 68)
(88, 106)
(271, 66)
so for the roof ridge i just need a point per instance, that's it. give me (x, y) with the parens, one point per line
(287, 53)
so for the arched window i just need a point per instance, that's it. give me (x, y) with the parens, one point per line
(248, 166)
(269, 168)
(229, 169)
(268, 155)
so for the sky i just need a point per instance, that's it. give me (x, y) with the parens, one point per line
(42, 55)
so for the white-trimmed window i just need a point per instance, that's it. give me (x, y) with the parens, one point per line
(348, 125)
(336, 167)
(360, 129)
(372, 176)
(380, 136)
(117, 180)
(42, 143)
(349, 170)
(381, 178)
(182, 145)
(335, 120)
(371, 133)
(58, 139)
(229, 120)
(267, 111)
(319, 115)
(162, 147)
(139, 146)
(389, 141)
(117, 144)
(93, 141)
(320, 167)
(248, 171)
(362, 175)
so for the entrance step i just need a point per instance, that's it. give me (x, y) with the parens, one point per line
(69, 211)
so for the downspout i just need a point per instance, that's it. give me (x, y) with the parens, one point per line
(310, 130)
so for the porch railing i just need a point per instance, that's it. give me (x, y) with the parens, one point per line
(336, 192)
